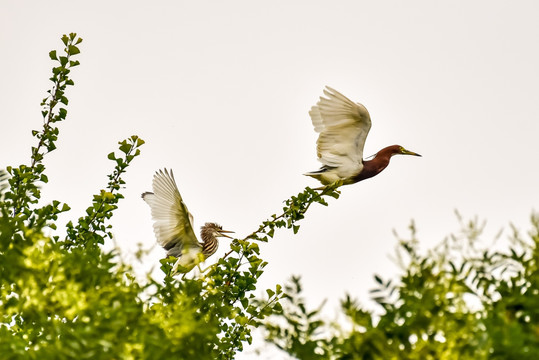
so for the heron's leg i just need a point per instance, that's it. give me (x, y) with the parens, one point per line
(206, 269)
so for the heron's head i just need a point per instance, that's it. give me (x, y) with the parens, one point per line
(399, 150)
(214, 230)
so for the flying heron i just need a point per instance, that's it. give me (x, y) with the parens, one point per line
(343, 126)
(173, 225)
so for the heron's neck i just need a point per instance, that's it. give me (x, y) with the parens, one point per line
(375, 166)
(210, 245)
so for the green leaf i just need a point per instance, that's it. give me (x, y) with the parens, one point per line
(244, 302)
(125, 147)
(242, 320)
(63, 113)
(140, 142)
(73, 50)
(52, 55)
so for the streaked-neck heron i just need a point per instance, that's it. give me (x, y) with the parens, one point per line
(173, 225)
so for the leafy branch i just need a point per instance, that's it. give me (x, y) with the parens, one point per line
(61, 80)
(23, 178)
(236, 286)
(23, 190)
(92, 227)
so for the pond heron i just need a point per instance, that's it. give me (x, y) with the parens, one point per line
(173, 225)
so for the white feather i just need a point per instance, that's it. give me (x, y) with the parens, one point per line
(173, 224)
(343, 126)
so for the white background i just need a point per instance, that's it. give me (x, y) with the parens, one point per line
(220, 92)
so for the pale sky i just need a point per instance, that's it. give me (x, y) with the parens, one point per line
(220, 91)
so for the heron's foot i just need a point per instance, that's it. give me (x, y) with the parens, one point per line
(337, 184)
(333, 186)
(329, 189)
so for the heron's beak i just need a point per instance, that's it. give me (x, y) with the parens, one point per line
(408, 152)
(224, 232)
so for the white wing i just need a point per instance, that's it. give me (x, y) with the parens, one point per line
(173, 224)
(343, 126)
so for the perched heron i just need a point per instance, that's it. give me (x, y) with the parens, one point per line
(173, 225)
(343, 126)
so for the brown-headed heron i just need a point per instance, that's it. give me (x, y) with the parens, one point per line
(343, 126)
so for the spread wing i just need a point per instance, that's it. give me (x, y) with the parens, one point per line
(173, 224)
(343, 126)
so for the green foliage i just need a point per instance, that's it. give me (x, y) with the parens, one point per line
(22, 222)
(92, 228)
(302, 335)
(455, 302)
(223, 301)
(63, 298)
